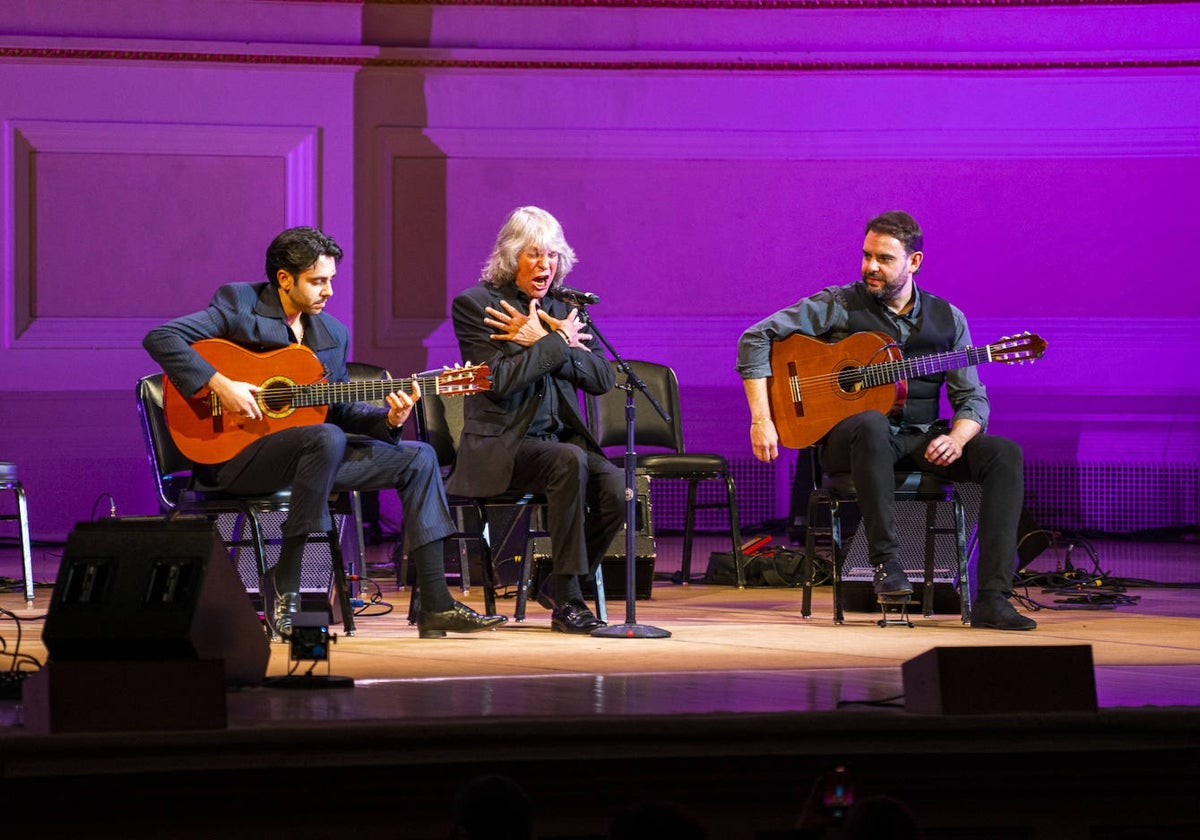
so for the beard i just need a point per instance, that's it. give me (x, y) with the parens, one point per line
(889, 291)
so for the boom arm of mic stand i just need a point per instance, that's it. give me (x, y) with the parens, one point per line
(630, 629)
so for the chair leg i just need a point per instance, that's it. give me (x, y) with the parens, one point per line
(526, 580)
(489, 574)
(522, 520)
(26, 547)
(601, 598)
(739, 562)
(835, 540)
(414, 603)
(931, 532)
(964, 575)
(464, 570)
(807, 569)
(338, 582)
(464, 555)
(689, 532)
(358, 568)
(256, 536)
(400, 560)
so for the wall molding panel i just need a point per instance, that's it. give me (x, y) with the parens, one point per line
(952, 143)
(296, 146)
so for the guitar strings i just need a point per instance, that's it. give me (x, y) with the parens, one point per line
(890, 371)
(360, 389)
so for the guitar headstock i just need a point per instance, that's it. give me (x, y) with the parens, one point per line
(464, 379)
(1017, 349)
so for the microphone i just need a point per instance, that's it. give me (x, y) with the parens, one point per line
(569, 295)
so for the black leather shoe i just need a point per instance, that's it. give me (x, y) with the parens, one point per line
(574, 617)
(458, 619)
(995, 612)
(891, 580)
(278, 608)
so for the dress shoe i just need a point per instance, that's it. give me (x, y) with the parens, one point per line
(574, 617)
(891, 580)
(278, 608)
(993, 610)
(458, 619)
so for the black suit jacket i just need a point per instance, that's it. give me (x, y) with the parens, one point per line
(496, 421)
(251, 315)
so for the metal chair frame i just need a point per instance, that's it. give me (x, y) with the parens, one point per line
(831, 491)
(9, 481)
(172, 476)
(606, 420)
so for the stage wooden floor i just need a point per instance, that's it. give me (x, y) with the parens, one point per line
(734, 715)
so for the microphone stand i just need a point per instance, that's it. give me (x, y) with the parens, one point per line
(630, 629)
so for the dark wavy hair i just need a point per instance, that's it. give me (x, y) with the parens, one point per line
(298, 248)
(901, 226)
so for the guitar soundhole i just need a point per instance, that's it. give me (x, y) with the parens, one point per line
(275, 397)
(850, 380)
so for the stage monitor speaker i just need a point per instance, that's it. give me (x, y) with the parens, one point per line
(153, 590)
(998, 680)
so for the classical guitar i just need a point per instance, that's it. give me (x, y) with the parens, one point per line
(815, 384)
(292, 392)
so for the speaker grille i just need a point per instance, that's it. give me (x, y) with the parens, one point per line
(315, 569)
(1112, 497)
(910, 524)
(756, 497)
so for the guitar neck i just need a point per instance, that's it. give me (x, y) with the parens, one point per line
(368, 390)
(886, 373)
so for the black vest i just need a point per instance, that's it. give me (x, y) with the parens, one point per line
(933, 333)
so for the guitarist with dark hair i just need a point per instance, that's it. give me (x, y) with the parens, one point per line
(870, 439)
(357, 446)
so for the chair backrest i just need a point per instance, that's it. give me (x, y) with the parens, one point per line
(172, 471)
(606, 413)
(365, 372)
(439, 423)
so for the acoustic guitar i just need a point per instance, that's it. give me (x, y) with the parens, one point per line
(292, 392)
(816, 384)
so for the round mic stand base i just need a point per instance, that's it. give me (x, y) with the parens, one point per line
(631, 631)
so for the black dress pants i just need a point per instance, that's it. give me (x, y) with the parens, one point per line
(864, 446)
(585, 494)
(317, 460)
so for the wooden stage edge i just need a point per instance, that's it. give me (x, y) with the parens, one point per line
(733, 717)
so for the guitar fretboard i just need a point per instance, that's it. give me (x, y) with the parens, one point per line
(328, 393)
(886, 373)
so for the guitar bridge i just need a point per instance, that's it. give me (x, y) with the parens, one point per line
(794, 388)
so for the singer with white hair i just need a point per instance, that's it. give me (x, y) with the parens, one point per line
(527, 433)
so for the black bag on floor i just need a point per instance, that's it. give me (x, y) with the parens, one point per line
(769, 566)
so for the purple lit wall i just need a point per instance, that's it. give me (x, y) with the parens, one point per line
(711, 162)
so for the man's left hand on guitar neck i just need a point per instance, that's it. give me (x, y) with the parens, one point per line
(400, 405)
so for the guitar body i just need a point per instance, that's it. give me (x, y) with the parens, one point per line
(205, 434)
(813, 385)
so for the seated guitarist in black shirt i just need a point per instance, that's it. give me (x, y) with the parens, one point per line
(871, 444)
(316, 459)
